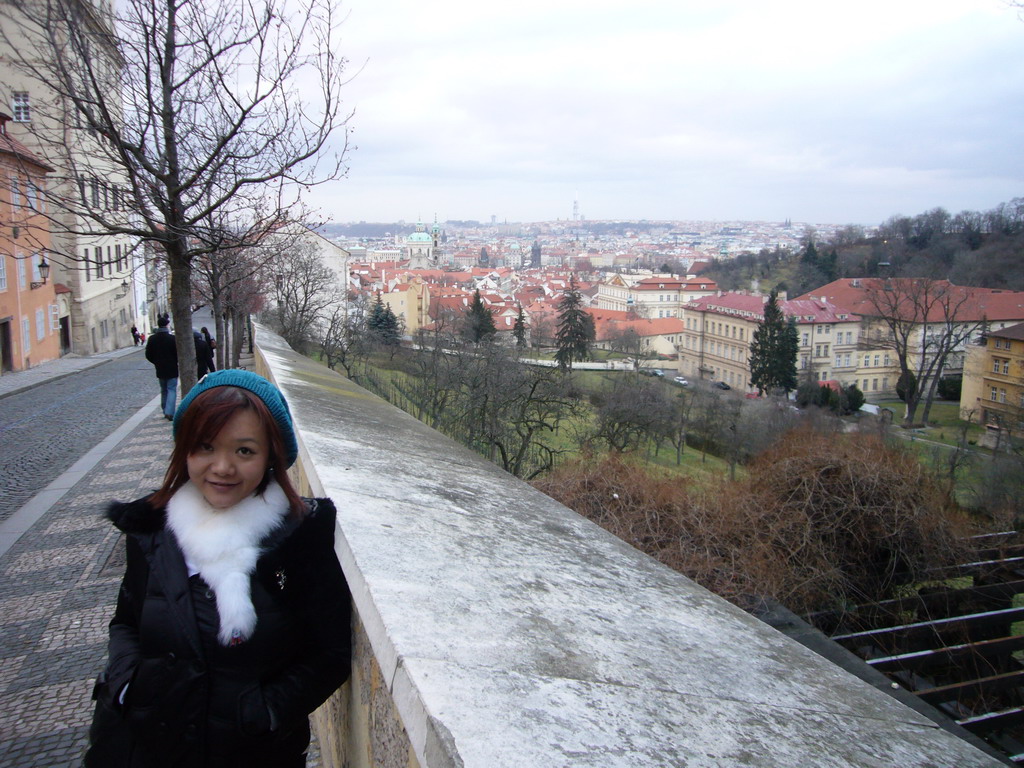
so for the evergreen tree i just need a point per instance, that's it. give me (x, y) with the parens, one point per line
(519, 328)
(479, 322)
(575, 329)
(773, 350)
(375, 320)
(383, 324)
(390, 332)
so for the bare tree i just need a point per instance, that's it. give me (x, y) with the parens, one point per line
(628, 342)
(305, 291)
(199, 113)
(925, 321)
(633, 412)
(344, 339)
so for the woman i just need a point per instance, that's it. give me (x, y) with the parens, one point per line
(211, 344)
(232, 623)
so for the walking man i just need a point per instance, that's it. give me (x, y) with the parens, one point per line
(162, 353)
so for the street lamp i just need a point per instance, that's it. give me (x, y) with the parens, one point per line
(44, 272)
(124, 290)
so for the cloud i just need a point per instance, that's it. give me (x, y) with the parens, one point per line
(661, 109)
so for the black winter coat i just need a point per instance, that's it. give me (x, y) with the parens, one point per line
(192, 702)
(162, 353)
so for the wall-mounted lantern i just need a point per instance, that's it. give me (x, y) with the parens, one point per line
(44, 272)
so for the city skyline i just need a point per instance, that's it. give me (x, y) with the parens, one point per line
(676, 111)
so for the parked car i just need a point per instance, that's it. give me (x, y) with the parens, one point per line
(652, 372)
(721, 385)
(681, 381)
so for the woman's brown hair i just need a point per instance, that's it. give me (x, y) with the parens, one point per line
(203, 421)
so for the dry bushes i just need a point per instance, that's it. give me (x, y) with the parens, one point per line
(820, 520)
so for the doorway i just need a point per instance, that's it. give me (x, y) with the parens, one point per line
(6, 352)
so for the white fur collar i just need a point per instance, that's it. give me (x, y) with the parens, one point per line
(224, 546)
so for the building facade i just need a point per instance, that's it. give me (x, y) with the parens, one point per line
(103, 277)
(993, 383)
(30, 329)
(652, 297)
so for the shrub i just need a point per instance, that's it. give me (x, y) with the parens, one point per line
(906, 385)
(820, 519)
(949, 387)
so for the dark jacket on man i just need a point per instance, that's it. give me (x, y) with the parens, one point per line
(203, 355)
(162, 353)
(193, 703)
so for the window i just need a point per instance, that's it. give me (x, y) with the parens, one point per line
(26, 339)
(864, 387)
(40, 324)
(1006, 366)
(877, 358)
(104, 329)
(885, 382)
(99, 263)
(994, 395)
(54, 317)
(3, 273)
(95, 193)
(806, 339)
(1002, 395)
(849, 337)
(15, 192)
(886, 360)
(874, 385)
(839, 361)
(36, 277)
(32, 195)
(22, 282)
(21, 106)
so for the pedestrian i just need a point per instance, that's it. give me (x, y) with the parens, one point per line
(233, 618)
(163, 354)
(212, 344)
(135, 335)
(202, 355)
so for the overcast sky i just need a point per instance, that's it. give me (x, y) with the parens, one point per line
(814, 111)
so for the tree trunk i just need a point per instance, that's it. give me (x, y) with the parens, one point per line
(218, 328)
(181, 311)
(238, 321)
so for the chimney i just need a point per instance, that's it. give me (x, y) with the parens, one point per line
(4, 117)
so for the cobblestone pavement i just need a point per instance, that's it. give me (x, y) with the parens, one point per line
(45, 429)
(58, 585)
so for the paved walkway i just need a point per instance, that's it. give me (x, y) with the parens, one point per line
(59, 574)
(19, 381)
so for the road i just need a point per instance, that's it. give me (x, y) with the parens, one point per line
(44, 430)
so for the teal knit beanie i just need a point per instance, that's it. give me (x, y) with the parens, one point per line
(263, 389)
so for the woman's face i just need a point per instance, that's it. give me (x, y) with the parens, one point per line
(231, 467)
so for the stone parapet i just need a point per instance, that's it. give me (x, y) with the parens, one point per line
(495, 627)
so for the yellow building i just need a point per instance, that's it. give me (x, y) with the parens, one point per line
(410, 302)
(993, 387)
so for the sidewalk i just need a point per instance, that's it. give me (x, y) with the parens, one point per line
(59, 577)
(18, 381)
